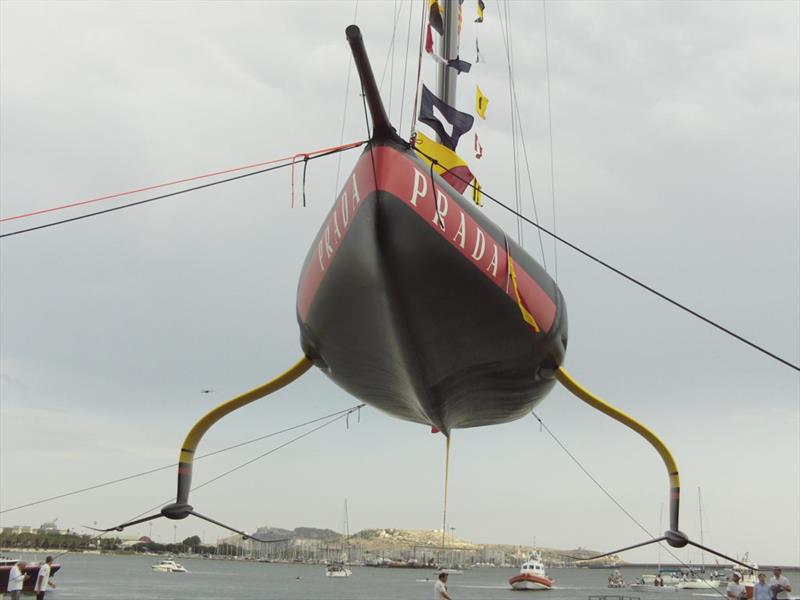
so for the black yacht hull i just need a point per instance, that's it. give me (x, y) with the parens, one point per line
(406, 300)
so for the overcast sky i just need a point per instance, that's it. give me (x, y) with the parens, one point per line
(675, 148)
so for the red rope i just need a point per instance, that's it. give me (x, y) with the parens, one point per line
(168, 183)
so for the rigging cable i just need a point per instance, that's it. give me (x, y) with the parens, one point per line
(630, 278)
(391, 67)
(419, 72)
(242, 465)
(156, 186)
(515, 110)
(550, 129)
(344, 114)
(604, 490)
(311, 156)
(390, 55)
(503, 12)
(345, 413)
(514, 121)
(405, 66)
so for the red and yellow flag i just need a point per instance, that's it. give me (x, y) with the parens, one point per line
(448, 164)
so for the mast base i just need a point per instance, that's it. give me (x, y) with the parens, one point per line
(676, 539)
(177, 510)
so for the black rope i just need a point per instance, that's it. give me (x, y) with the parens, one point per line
(343, 414)
(305, 168)
(276, 448)
(143, 473)
(371, 146)
(405, 66)
(607, 493)
(625, 275)
(161, 197)
(439, 219)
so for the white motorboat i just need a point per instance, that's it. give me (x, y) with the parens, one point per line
(667, 578)
(531, 575)
(337, 570)
(649, 587)
(698, 583)
(169, 566)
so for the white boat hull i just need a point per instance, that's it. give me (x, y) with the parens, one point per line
(169, 566)
(698, 584)
(648, 587)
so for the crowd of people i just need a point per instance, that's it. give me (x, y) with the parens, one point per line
(778, 587)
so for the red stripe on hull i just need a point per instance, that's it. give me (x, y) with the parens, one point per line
(545, 582)
(402, 177)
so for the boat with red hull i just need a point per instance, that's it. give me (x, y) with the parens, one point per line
(31, 569)
(531, 575)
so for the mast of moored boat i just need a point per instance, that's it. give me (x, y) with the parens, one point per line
(700, 510)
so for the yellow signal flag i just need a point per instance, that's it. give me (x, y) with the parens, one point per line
(477, 196)
(453, 169)
(481, 103)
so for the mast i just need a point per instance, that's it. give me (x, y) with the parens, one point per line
(700, 510)
(448, 49)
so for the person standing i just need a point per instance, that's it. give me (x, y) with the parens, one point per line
(43, 579)
(780, 584)
(736, 591)
(761, 589)
(440, 588)
(16, 579)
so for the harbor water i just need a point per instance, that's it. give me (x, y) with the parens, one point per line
(109, 577)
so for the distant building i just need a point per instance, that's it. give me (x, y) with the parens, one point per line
(49, 527)
(17, 529)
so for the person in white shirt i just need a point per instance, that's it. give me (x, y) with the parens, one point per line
(736, 591)
(761, 589)
(16, 579)
(780, 583)
(43, 579)
(440, 589)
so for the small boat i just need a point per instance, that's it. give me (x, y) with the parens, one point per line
(747, 577)
(531, 575)
(451, 571)
(655, 583)
(650, 583)
(31, 569)
(615, 580)
(698, 583)
(337, 570)
(667, 578)
(169, 566)
(649, 587)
